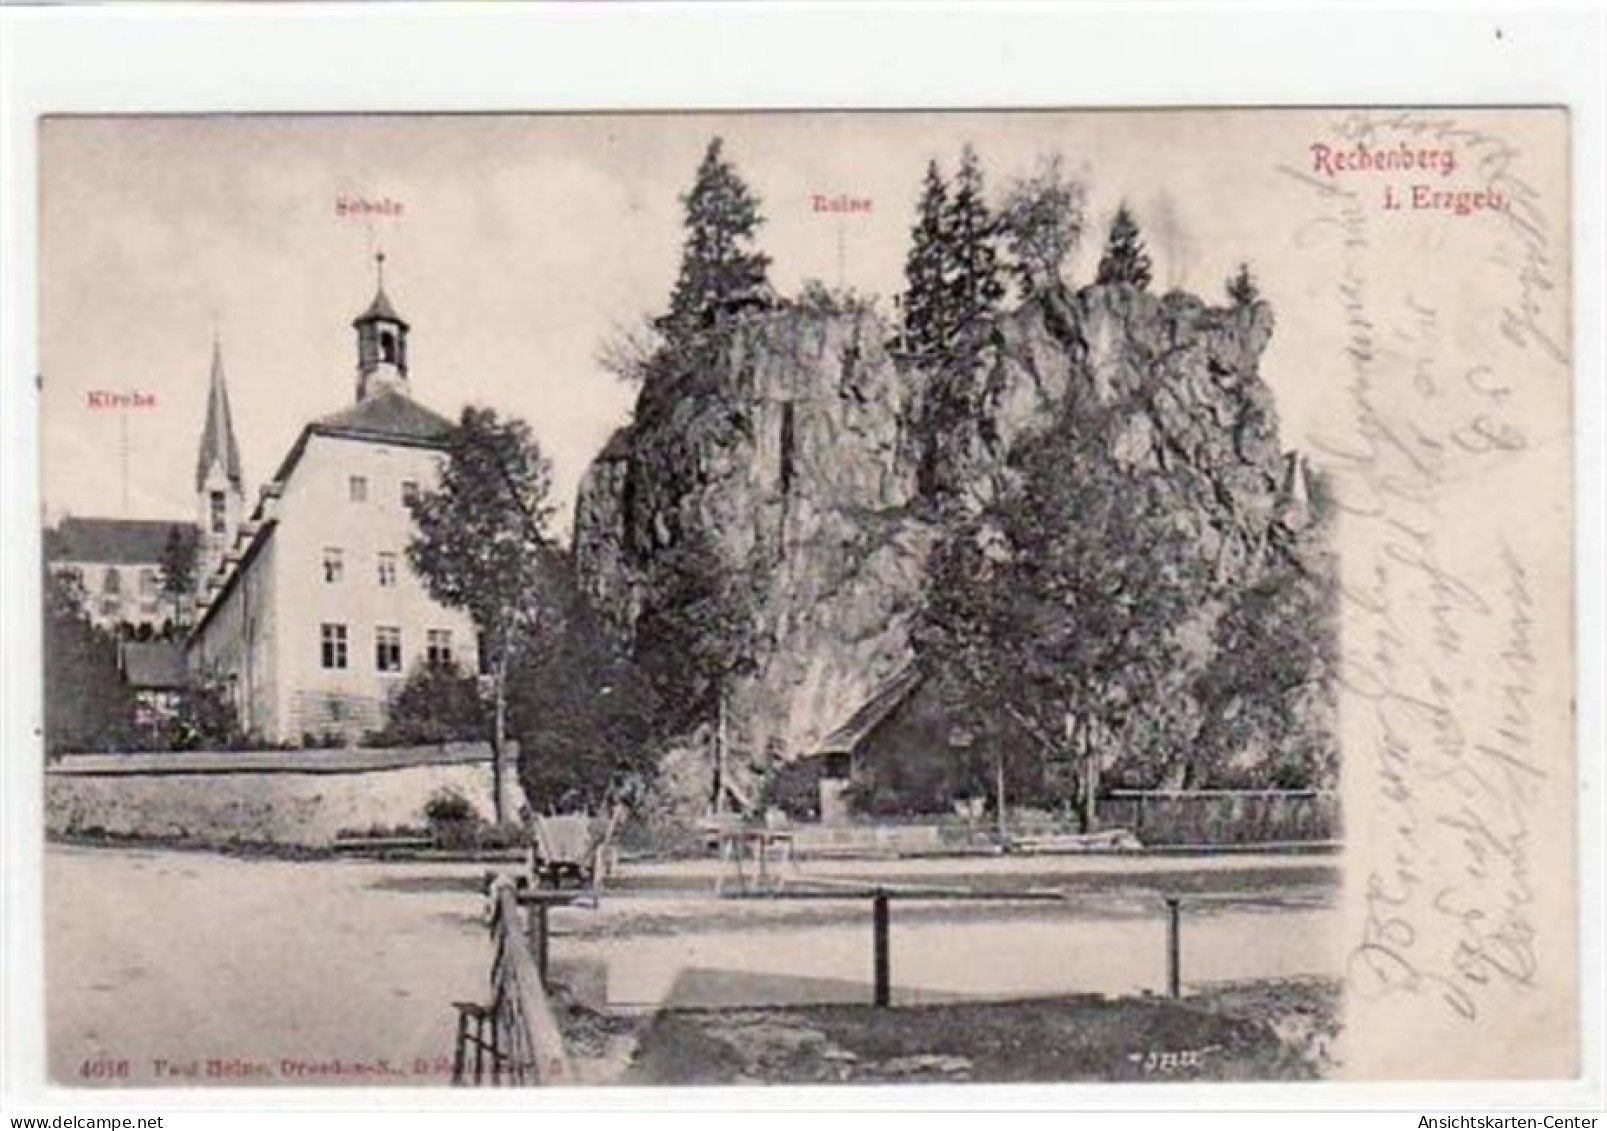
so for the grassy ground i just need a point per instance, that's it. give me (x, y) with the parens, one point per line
(1270, 1030)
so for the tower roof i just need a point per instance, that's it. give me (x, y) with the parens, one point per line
(380, 310)
(218, 445)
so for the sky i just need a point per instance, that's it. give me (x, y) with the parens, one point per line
(524, 241)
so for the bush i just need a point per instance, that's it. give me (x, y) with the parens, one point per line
(204, 719)
(455, 823)
(447, 806)
(328, 740)
(479, 836)
(438, 703)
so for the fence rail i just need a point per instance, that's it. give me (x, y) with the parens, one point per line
(523, 1045)
(883, 896)
(1222, 816)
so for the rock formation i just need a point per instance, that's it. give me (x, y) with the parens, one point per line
(798, 450)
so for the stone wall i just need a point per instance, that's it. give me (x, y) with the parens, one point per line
(294, 800)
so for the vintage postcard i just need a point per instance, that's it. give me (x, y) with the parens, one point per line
(1059, 596)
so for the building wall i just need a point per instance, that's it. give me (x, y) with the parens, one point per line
(137, 601)
(237, 647)
(316, 513)
(931, 751)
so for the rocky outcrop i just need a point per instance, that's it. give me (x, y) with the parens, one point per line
(796, 451)
(796, 459)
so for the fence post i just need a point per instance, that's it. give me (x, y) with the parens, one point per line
(1174, 947)
(459, 1054)
(479, 1048)
(883, 956)
(539, 940)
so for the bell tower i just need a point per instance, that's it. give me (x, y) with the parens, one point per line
(219, 480)
(381, 342)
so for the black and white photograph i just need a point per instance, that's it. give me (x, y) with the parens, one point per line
(806, 597)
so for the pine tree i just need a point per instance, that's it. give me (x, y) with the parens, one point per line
(179, 559)
(1125, 260)
(974, 283)
(719, 265)
(925, 305)
(1242, 287)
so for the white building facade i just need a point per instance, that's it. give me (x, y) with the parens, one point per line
(118, 561)
(315, 618)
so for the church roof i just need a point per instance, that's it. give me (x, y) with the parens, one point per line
(388, 414)
(380, 310)
(218, 445)
(117, 541)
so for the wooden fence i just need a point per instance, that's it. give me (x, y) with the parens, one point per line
(1223, 816)
(515, 1040)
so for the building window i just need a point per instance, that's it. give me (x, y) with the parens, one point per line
(387, 570)
(110, 606)
(358, 487)
(409, 491)
(388, 648)
(220, 513)
(438, 647)
(112, 582)
(147, 582)
(334, 564)
(334, 645)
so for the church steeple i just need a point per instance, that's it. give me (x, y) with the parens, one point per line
(381, 342)
(219, 476)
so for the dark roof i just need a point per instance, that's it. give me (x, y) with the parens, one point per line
(121, 541)
(154, 666)
(871, 714)
(217, 438)
(380, 310)
(389, 414)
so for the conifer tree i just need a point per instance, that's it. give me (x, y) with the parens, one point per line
(719, 263)
(179, 559)
(1242, 287)
(975, 285)
(925, 305)
(1125, 260)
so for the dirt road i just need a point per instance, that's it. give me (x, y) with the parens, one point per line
(185, 967)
